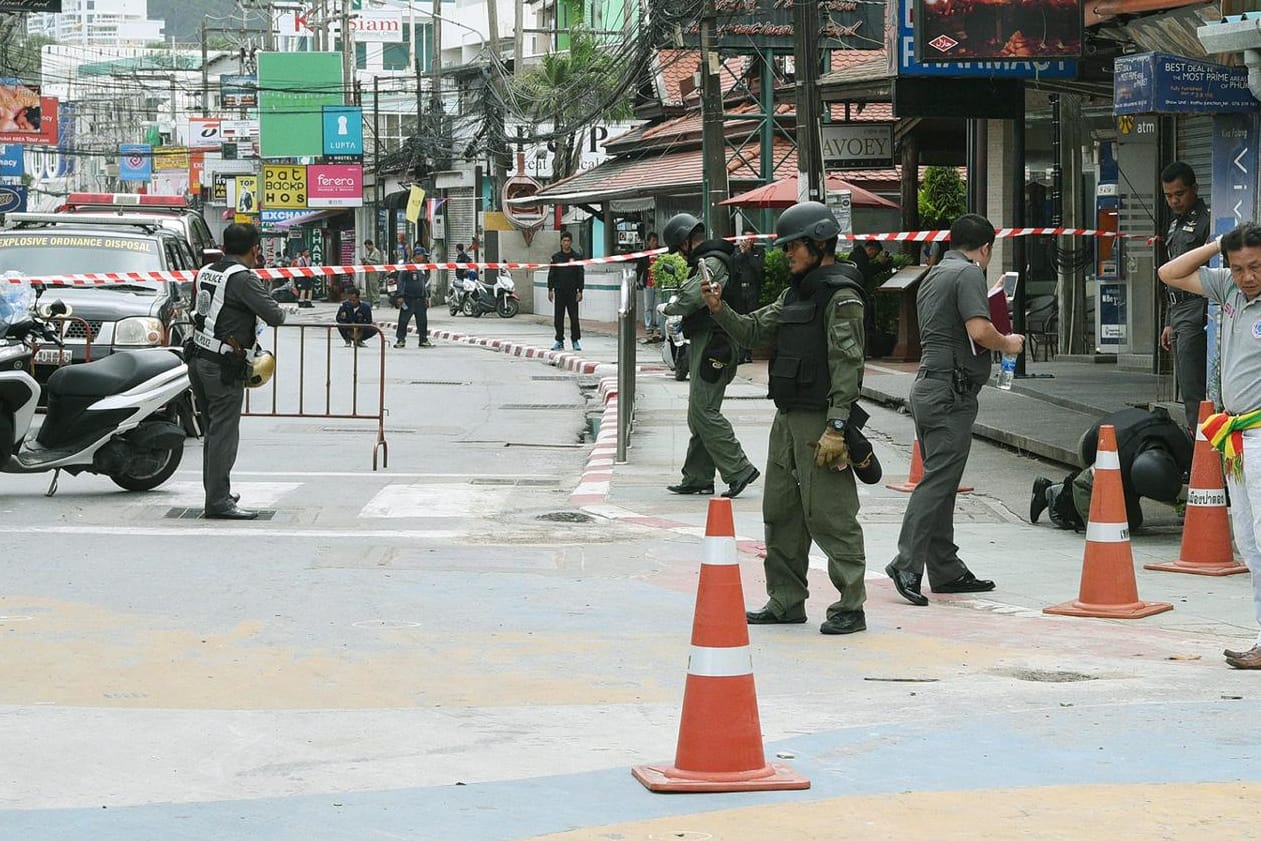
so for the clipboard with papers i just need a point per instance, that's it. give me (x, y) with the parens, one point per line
(1000, 297)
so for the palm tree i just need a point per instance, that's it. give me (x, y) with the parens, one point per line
(572, 89)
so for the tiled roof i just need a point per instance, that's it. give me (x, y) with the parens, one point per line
(672, 172)
(677, 68)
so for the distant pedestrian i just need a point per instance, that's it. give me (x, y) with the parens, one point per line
(647, 286)
(413, 302)
(353, 311)
(1187, 312)
(372, 256)
(461, 256)
(564, 290)
(958, 340)
(304, 285)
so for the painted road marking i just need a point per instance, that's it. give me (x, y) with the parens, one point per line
(193, 495)
(195, 530)
(449, 500)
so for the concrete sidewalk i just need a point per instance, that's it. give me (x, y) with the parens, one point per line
(1043, 415)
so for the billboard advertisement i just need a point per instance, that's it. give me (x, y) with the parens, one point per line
(238, 90)
(335, 185)
(997, 30)
(293, 90)
(12, 198)
(1159, 83)
(247, 194)
(204, 133)
(135, 162)
(27, 120)
(12, 161)
(169, 158)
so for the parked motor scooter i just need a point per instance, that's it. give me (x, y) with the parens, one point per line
(507, 304)
(481, 298)
(676, 350)
(117, 416)
(455, 296)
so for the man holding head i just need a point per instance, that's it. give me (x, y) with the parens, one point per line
(1237, 430)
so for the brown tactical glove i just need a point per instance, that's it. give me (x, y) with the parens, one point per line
(831, 451)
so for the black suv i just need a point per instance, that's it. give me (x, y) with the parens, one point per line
(128, 315)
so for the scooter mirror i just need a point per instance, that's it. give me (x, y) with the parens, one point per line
(54, 308)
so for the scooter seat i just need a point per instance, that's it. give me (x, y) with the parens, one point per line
(112, 375)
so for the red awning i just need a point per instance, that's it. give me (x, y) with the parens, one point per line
(783, 193)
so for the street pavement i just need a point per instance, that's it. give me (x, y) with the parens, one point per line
(464, 646)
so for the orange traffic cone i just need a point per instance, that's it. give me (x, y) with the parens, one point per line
(720, 736)
(917, 474)
(1108, 589)
(1206, 548)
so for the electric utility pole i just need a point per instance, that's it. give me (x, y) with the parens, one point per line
(713, 142)
(806, 55)
(348, 56)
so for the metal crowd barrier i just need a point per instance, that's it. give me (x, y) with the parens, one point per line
(286, 396)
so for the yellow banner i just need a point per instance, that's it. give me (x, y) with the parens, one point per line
(415, 201)
(169, 158)
(284, 187)
(247, 194)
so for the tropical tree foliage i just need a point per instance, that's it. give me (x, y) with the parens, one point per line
(943, 196)
(568, 89)
(20, 52)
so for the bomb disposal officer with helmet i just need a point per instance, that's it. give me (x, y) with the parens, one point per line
(230, 300)
(713, 444)
(815, 374)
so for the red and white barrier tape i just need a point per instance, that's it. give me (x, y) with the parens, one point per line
(288, 272)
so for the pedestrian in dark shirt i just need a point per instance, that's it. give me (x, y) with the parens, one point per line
(1187, 315)
(353, 311)
(564, 290)
(461, 256)
(413, 302)
(748, 269)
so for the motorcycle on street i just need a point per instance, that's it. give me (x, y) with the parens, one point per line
(119, 416)
(481, 298)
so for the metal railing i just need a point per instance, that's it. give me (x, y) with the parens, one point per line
(286, 395)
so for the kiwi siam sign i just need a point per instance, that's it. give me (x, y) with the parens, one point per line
(768, 24)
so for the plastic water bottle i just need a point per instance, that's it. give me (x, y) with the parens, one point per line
(1006, 371)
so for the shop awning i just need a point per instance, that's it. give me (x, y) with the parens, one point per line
(783, 193)
(307, 218)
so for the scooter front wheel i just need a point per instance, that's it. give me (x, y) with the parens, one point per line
(454, 307)
(148, 470)
(468, 308)
(508, 308)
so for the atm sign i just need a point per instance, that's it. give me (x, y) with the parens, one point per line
(284, 186)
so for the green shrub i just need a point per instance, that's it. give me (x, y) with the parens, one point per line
(669, 271)
(775, 280)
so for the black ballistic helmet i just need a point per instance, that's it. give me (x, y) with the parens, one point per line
(806, 220)
(1154, 474)
(680, 229)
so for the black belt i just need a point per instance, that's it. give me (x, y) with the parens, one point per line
(1178, 296)
(947, 377)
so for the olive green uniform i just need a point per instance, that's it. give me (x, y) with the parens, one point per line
(803, 502)
(713, 444)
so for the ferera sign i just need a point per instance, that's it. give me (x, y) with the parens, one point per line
(1159, 83)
